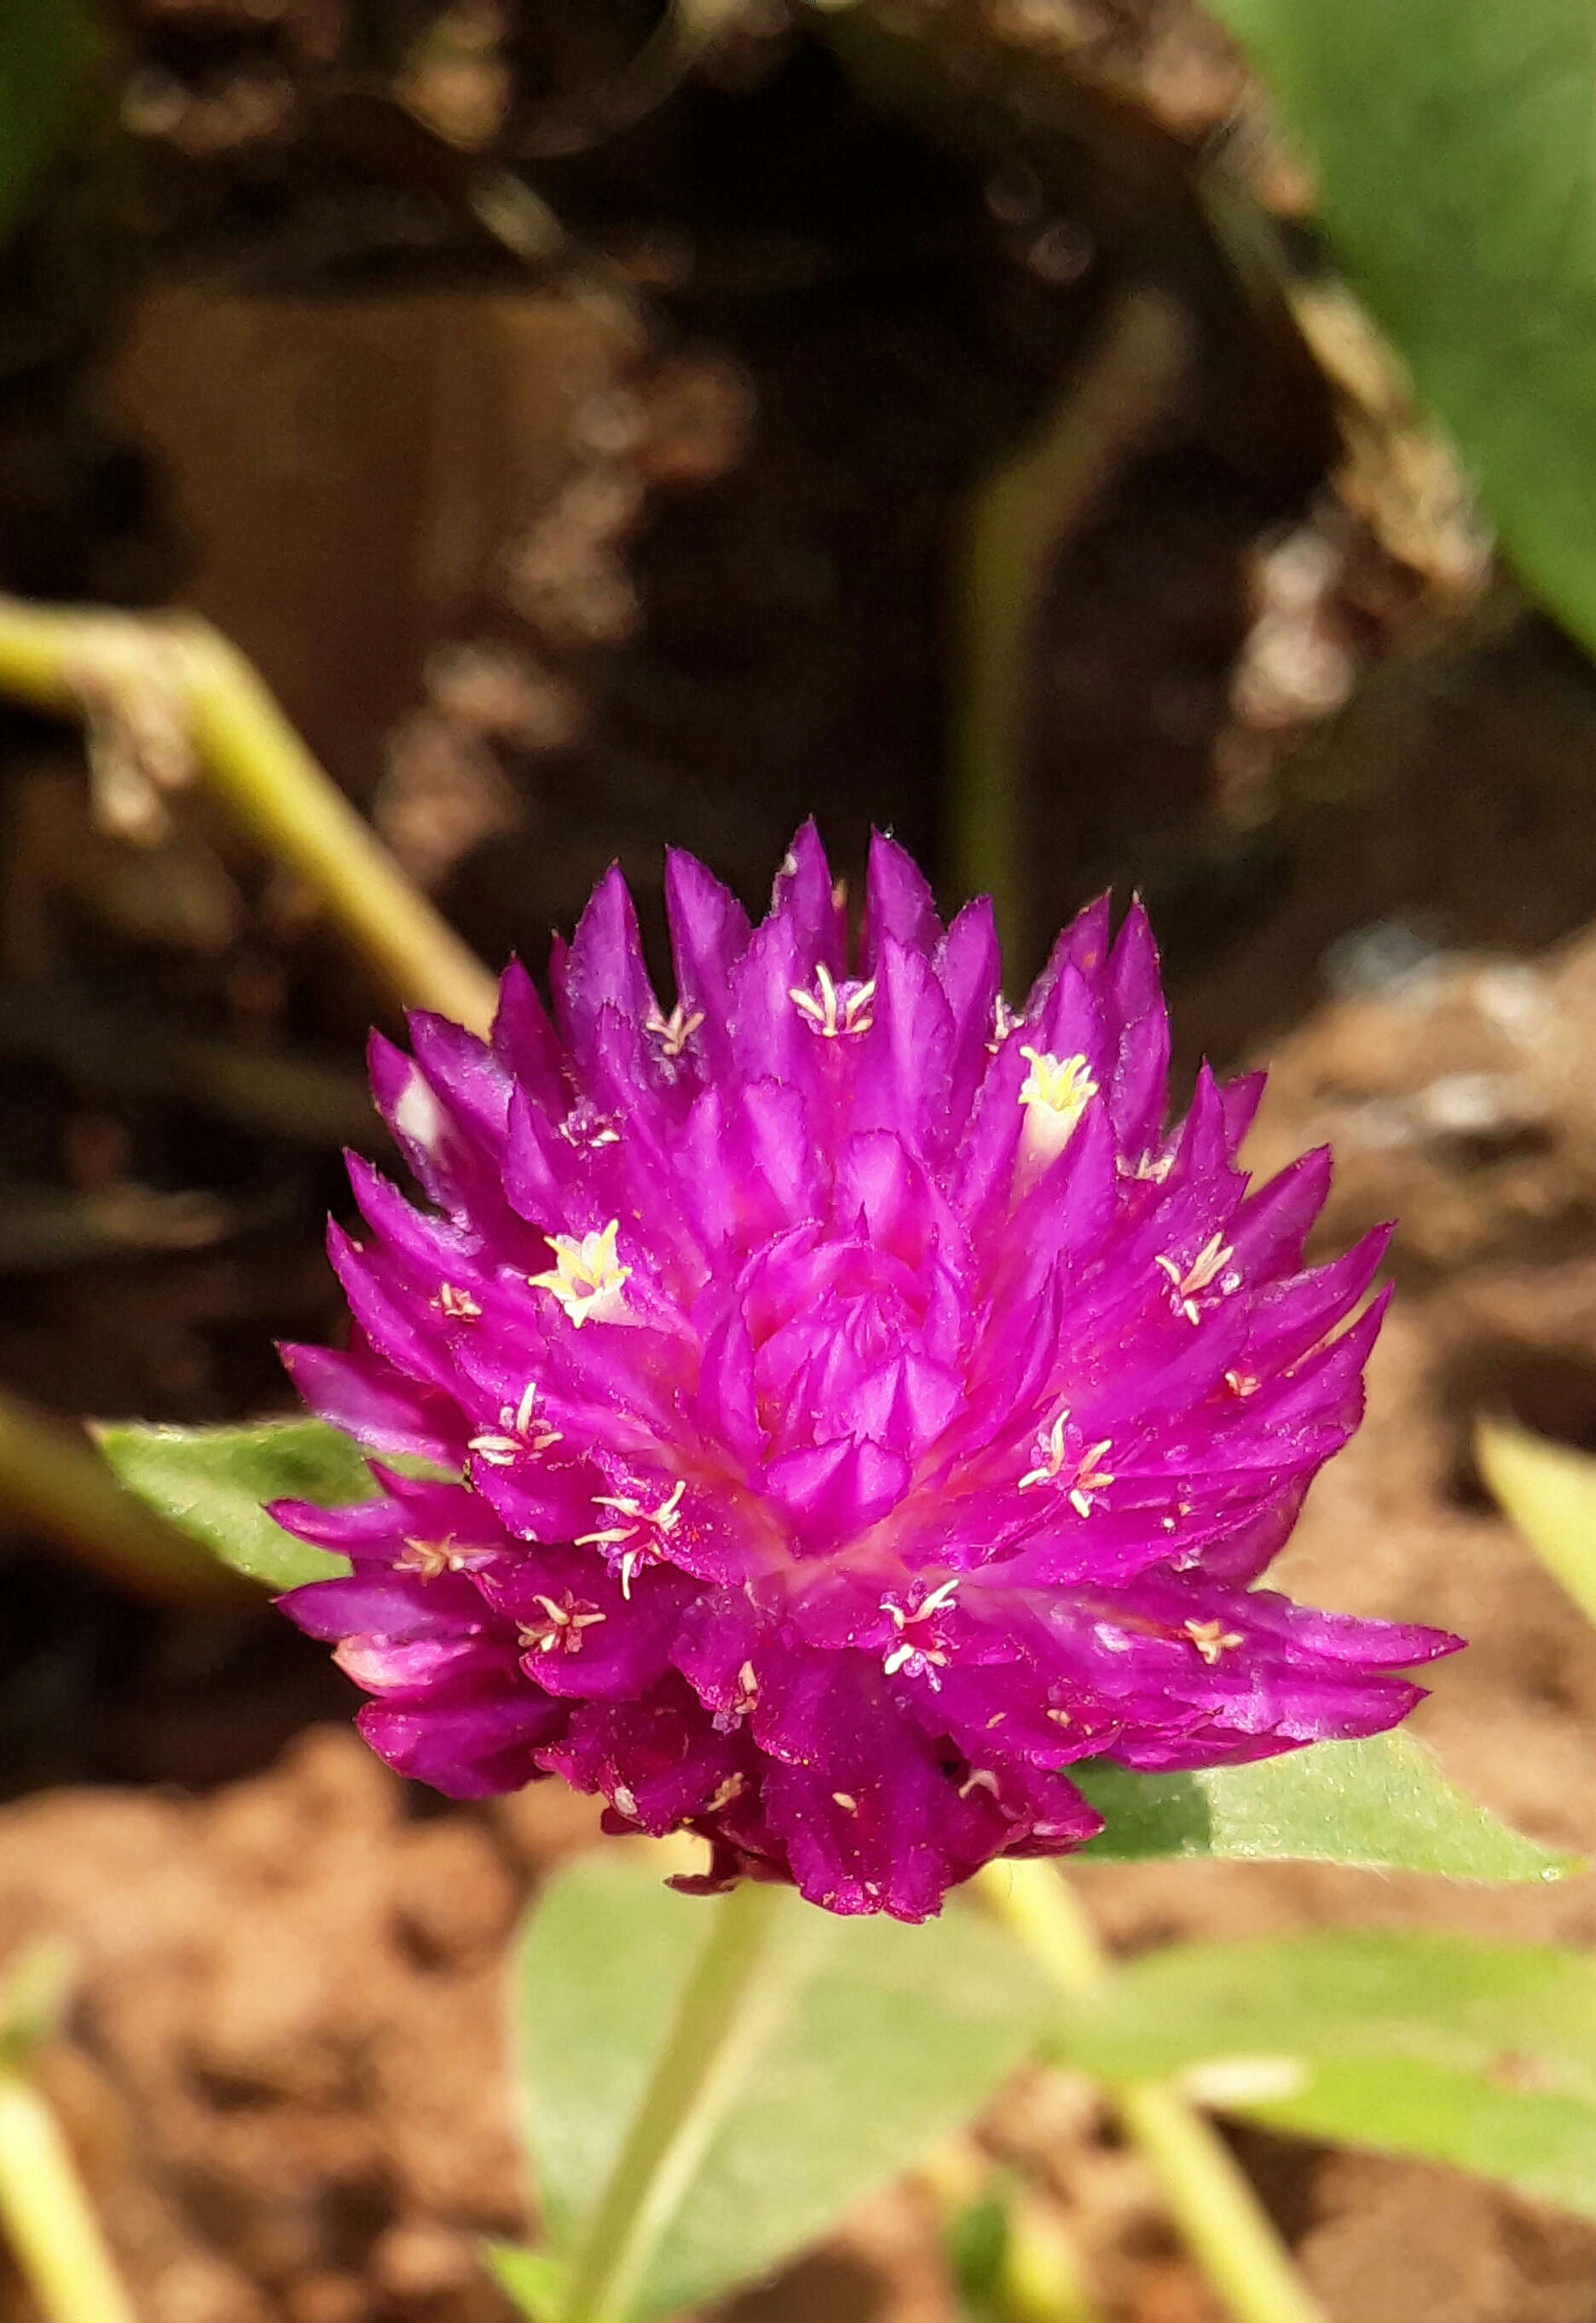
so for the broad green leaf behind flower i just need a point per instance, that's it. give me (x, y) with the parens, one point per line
(1454, 144)
(211, 1482)
(885, 2039)
(1382, 1803)
(1480, 2055)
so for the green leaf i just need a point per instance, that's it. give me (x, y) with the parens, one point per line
(867, 2044)
(212, 1482)
(535, 2280)
(1550, 1494)
(45, 46)
(1483, 2055)
(1382, 1803)
(1455, 146)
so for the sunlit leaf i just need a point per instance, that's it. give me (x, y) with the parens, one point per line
(1453, 146)
(886, 2038)
(43, 46)
(1382, 1803)
(1550, 1494)
(212, 1482)
(1483, 2055)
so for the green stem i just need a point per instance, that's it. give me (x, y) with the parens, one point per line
(46, 2218)
(59, 658)
(1224, 2224)
(1020, 515)
(731, 2002)
(55, 1480)
(1042, 2279)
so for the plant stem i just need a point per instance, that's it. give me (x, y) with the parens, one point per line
(46, 2218)
(730, 2001)
(1041, 2279)
(1224, 2224)
(55, 1480)
(1020, 515)
(59, 658)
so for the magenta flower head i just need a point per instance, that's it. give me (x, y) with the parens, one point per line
(857, 1404)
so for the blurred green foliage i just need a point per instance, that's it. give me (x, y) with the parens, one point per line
(1549, 1491)
(44, 46)
(1482, 2055)
(1456, 151)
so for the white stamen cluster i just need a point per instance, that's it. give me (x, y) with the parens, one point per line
(674, 1031)
(560, 1627)
(639, 1521)
(1205, 1268)
(503, 1449)
(1089, 1475)
(834, 1011)
(918, 1656)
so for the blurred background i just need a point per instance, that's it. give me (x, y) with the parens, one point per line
(608, 423)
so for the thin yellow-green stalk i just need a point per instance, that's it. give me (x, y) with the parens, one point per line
(46, 2218)
(77, 660)
(1220, 2217)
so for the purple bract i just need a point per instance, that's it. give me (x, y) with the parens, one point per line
(858, 1406)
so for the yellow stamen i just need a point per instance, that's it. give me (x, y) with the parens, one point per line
(586, 1277)
(561, 1629)
(430, 1557)
(1211, 1639)
(1055, 1093)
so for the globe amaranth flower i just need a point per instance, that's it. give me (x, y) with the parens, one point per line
(856, 1405)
